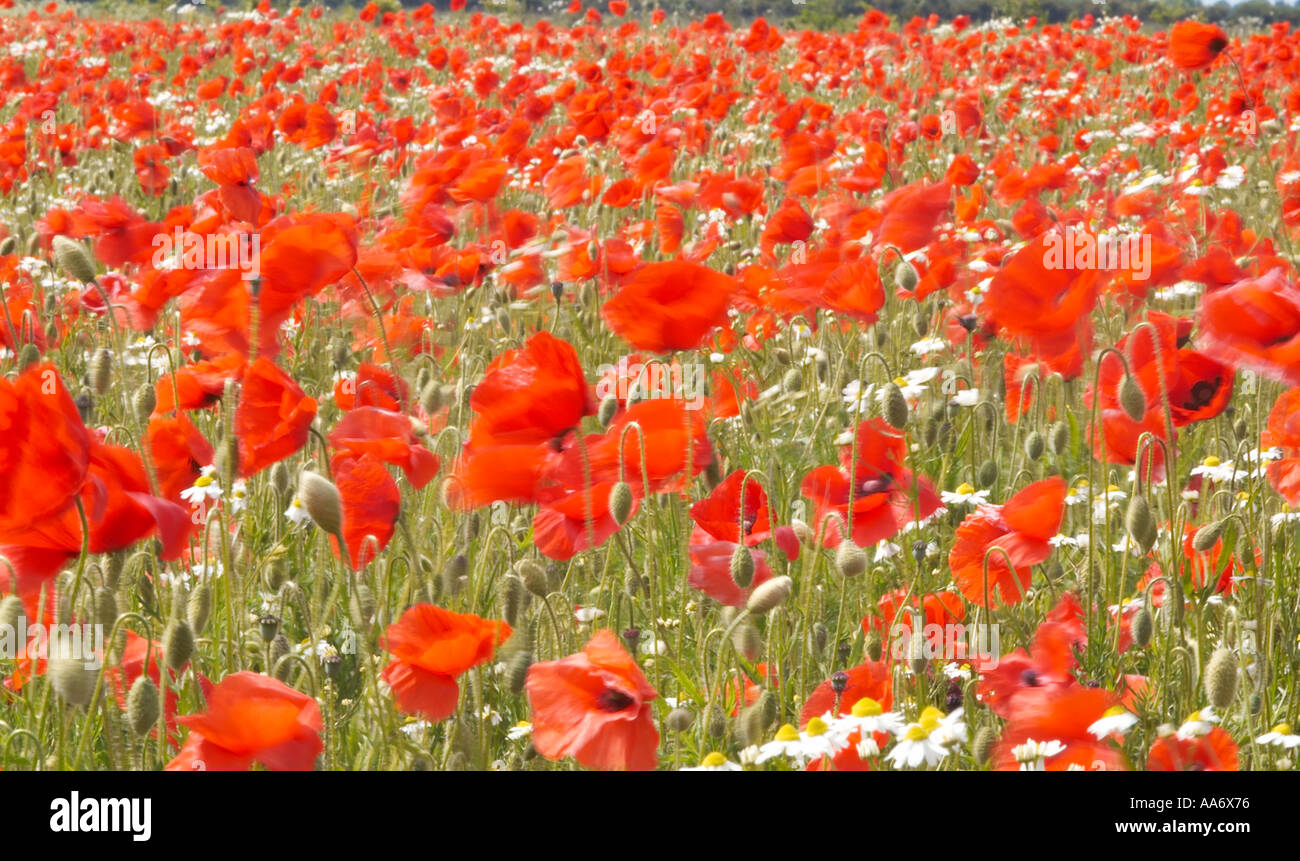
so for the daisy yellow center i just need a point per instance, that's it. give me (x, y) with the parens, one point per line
(1194, 717)
(867, 707)
(930, 719)
(1282, 728)
(899, 381)
(1210, 460)
(714, 760)
(787, 733)
(203, 481)
(1110, 488)
(1114, 711)
(916, 732)
(1243, 495)
(965, 489)
(816, 726)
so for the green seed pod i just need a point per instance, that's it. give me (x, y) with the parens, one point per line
(875, 646)
(620, 502)
(74, 258)
(905, 276)
(988, 473)
(850, 559)
(105, 607)
(1208, 535)
(679, 719)
(7, 245)
(930, 433)
(454, 573)
(894, 406)
(1139, 522)
(29, 355)
(921, 324)
(99, 372)
(267, 627)
(792, 381)
(1132, 398)
(12, 615)
(517, 671)
(71, 679)
(534, 577)
(820, 636)
(1143, 628)
(280, 668)
(362, 606)
(1058, 438)
(145, 589)
(321, 498)
(1221, 679)
(431, 397)
(982, 746)
(200, 607)
(768, 705)
(747, 641)
(142, 705)
(280, 479)
(1240, 429)
(769, 595)
(512, 599)
(608, 408)
(742, 566)
(143, 402)
(1034, 445)
(178, 643)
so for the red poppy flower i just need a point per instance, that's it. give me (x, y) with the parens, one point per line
(179, 452)
(197, 385)
(1214, 751)
(372, 386)
(44, 449)
(575, 521)
(1021, 527)
(370, 505)
(869, 680)
(1064, 715)
(533, 394)
(669, 306)
(669, 432)
(1283, 431)
(252, 718)
(1049, 663)
(235, 171)
(595, 707)
(273, 418)
(123, 676)
(430, 648)
(388, 436)
(1193, 45)
(1255, 324)
(880, 492)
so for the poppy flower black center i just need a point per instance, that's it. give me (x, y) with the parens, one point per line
(750, 520)
(1217, 44)
(880, 484)
(613, 701)
(1029, 678)
(1202, 393)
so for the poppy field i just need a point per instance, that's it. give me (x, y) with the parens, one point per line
(428, 389)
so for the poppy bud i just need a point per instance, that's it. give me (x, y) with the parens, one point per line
(71, 679)
(620, 502)
(894, 406)
(74, 258)
(792, 381)
(1140, 524)
(517, 671)
(820, 636)
(988, 473)
(930, 433)
(341, 352)
(747, 641)
(916, 657)
(1240, 429)
(279, 667)
(557, 291)
(362, 605)
(503, 318)
(105, 606)
(608, 407)
(534, 577)
(142, 705)
(267, 627)
(12, 615)
(279, 475)
(321, 499)
(1208, 535)
(803, 532)
(1034, 445)
(178, 643)
(921, 324)
(875, 646)
(1132, 399)
(1058, 438)
(145, 589)
(982, 746)
(431, 397)
(717, 721)
(512, 599)
(679, 719)
(7, 246)
(30, 354)
(769, 595)
(850, 559)
(143, 402)
(200, 607)
(454, 573)
(1143, 627)
(742, 566)
(1221, 678)
(906, 276)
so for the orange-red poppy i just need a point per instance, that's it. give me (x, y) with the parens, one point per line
(273, 418)
(595, 707)
(1193, 45)
(1214, 751)
(1021, 527)
(669, 306)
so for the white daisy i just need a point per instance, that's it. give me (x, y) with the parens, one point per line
(1116, 720)
(715, 762)
(205, 487)
(297, 513)
(799, 747)
(927, 741)
(1280, 735)
(1033, 755)
(965, 494)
